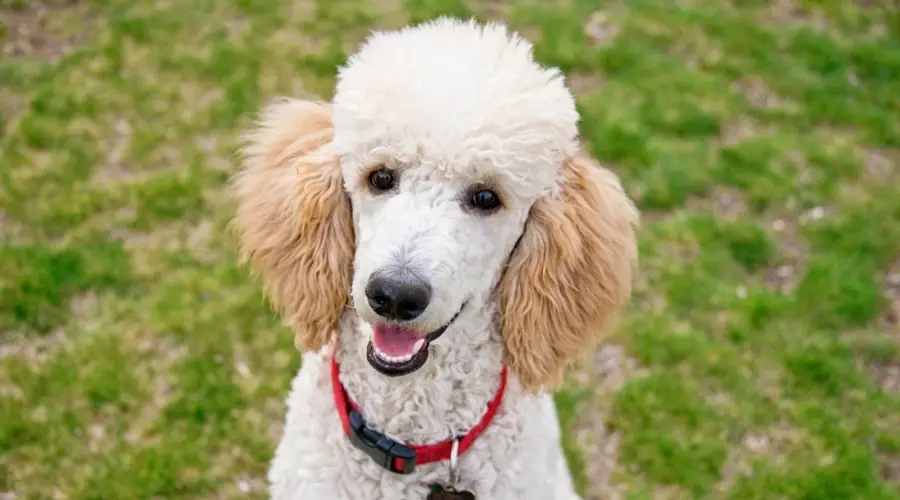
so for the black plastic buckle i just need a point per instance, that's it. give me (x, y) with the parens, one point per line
(383, 450)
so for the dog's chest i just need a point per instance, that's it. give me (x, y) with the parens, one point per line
(515, 458)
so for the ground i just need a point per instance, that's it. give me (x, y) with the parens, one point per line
(760, 357)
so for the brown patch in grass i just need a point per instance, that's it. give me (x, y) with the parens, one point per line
(885, 373)
(881, 165)
(891, 292)
(793, 253)
(246, 485)
(729, 203)
(203, 241)
(670, 492)
(889, 467)
(34, 351)
(740, 130)
(493, 9)
(161, 238)
(602, 458)
(607, 372)
(760, 96)
(793, 13)
(599, 30)
(119, 166)
(116, 147)
(11, 106)
(773, 444)
(886, 376)
(294, 38)
(695, 47)
(584, 83)
(45, 29)
(29, 348)
(84, 305)
(227, 471)
(724, 202)
(234, 483)
(11, 231)
(165, 353)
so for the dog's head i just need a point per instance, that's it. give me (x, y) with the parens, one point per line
(444, 177)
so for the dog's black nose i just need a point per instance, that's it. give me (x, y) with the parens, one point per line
(398, 299)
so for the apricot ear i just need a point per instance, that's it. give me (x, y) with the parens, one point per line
(570, 274)
(294, 218)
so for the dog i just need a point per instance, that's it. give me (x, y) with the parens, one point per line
(441, 250)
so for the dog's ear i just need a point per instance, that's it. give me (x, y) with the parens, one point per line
(294, 219)
(570, 274)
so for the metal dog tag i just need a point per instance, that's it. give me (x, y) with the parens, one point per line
(440, 493)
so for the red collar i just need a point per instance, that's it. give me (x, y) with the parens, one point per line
(394, 456)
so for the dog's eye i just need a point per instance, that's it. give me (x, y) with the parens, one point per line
(382, 180)
(485, 199)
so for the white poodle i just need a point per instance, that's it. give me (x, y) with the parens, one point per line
(441, 250)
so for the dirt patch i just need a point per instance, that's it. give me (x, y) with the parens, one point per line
(493, 9)
(84, 305)
(609, 369)
(886, 376)
(729, 203)
(792, 13)
(31, 349)
(881, 165)
(116, 146)
(248, 484)
(696, 48)
(891, 292)
(885, 373)
(889, 468)
(793, 252)
(599, 30)
(165, 353)
(760, 96)
(773, 444)
(226, 468)
(740, 130)
(12, 232)
(602, 457)
(47, 29)
(724, 202)
(584, 83)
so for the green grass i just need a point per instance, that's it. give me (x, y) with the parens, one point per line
(760, 139)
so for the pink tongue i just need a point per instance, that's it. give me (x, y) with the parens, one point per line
(395, 340)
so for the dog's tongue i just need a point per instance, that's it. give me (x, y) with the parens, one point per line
(395, 340)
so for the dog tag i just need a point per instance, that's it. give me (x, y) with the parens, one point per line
(438, 492)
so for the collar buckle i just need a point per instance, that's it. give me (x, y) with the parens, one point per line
(386, 452)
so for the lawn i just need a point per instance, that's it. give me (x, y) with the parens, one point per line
(759, 359)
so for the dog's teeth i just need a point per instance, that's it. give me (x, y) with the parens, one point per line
(418, 345)
(394, 359)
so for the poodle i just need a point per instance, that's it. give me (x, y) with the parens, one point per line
(440, 250)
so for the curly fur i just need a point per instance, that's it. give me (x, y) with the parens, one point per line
(447, 105)
(570, 275)
(295, 220)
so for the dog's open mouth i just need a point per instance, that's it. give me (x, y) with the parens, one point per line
(395, 350)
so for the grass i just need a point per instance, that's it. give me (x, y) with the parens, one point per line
(760, 357)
